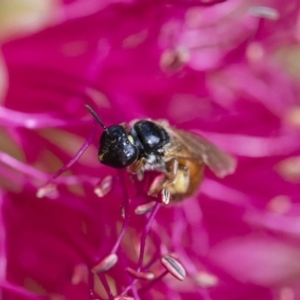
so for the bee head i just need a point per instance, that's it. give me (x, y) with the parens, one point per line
(117, 147)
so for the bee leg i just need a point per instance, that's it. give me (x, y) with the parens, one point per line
(172, 169)
(162, 181)
(137, 166)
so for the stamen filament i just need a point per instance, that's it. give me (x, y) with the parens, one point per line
(103, 279)
(145, 233)
(153, 282)
(126, 211)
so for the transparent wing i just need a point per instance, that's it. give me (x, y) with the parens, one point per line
(219, 162)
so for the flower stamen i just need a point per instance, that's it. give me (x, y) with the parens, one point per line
(105, 264)
(124, 211)
(145, 208)
(140, 275)
(46, 189)
(145, 233)
(104, 186)
(206, 280)
(174, 267)
(153, 282)
(106, 286)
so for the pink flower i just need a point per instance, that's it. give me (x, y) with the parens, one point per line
(218, 69)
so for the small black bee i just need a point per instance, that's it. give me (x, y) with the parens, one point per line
(155, 145)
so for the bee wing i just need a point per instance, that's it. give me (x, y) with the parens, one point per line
(218, 161)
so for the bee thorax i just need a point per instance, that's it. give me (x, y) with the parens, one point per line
(154, 162)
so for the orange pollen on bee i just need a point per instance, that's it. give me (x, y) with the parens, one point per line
(180, 184)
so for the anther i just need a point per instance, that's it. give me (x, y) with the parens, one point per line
(107, 263)
(174, 267)
(140, 275)
(206, 280)
(145, 208)
(46, 189)
(104, 186)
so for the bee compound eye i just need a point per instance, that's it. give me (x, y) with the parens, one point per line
(151, 135)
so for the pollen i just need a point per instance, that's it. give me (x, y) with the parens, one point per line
(180, 184)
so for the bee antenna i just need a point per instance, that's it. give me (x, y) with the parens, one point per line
(97, 118)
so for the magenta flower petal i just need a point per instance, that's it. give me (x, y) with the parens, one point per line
(219, 69)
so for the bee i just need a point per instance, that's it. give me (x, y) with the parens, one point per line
(179, 156)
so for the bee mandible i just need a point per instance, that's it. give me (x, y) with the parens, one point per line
(180, 156)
